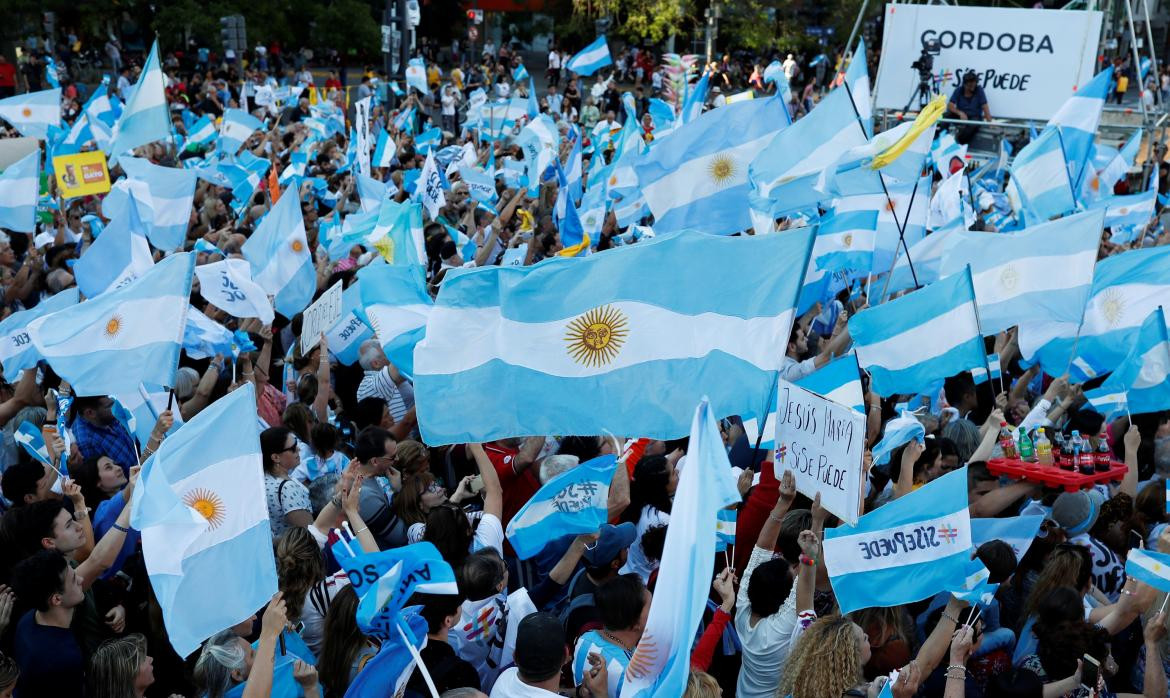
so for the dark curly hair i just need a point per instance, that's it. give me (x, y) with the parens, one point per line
(1062, 635)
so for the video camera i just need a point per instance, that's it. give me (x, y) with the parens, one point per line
(925, 63)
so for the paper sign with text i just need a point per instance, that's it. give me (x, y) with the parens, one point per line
(825, 447)
(82, 174)
(320, 317)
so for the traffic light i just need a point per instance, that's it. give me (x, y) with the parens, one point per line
(233, 33)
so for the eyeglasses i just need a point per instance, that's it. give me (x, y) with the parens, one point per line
(288, 449)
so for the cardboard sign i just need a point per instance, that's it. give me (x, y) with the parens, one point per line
(825, 447)
(82, 174)
(320, 317)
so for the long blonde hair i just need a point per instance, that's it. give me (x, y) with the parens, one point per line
(1068, 565)
(113, 668)
(825, 663)
(700, 684)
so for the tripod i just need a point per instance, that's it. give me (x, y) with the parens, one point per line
(922, 92)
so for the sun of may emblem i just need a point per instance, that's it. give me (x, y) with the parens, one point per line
(1009, 277)
(207, 503)
(596, 337)
(26, 112)
(721, 169)
(847, 241)
(1113, 307)
(297, 245)
(113, 326)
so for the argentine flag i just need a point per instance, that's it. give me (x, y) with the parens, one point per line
(1077, 119)
(200, 507)
(391, 668)
(1149, 567)
(696, 97)
(398, 233)
(204, 337)
(839, 381)
(590, 59)
(145, 117)
(906, 551)
(168, 206)
(110, 344)
(1040, 188)
(120, 255)
(571, 503)
(202, 132)
(390, 577)
(385, 150)
(846, 235)
(696, 177)
(1127, 215)
(662, 659)
(19, 190)
(16, 349)
(349, 333)
(32, 441)
(1013, 273)
(857, 77)
(33, 113)
(566, 336)
(1016, 531)
(1100, 184)
(397, 305)
(236, 127)
(538, 141)
(279, 254)
(1144, 376)
(914, 340)
(480, 184)
(416, 75)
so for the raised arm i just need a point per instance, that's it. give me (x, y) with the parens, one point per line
(106, 550)
(493, 493)
(272, 625)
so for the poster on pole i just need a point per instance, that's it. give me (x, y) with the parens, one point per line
(320, 317)
(81, 174)
(824, 445)
(364, 144)
(1028, 61)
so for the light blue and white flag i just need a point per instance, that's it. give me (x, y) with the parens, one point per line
(1099, 183)
(370, 192)
(1149, 567)
(391, 668)
(1013, 273)
(120, 255)
(929, 334)
(977, 588)
(948, 156)
(385, 150)
(236, 127)
(1040, 187)
(847, 233)
(994, 370)
(857, 77)
(480, 185)
(725, 529)
(662, 660)
(347, 334)
(168, 207)
(19, 189)
(1109, 404)
(400, 573)
(138, 411)
(430, 187)
(562, 352)
(416, 75)
(1144, 375)
(1016, 531)
(402, 224)
(590, 59)
(1127, 215)
(33, 113)
(696, 97)
(202, 132)
(898, 431)
(428, 140)
(696, 177)
(204, 337)
(905, 551)
(572, 503)
(32, 441)
(145, 117)
(839, 381)
(1077, 119)
(200, 507)
(110, 344)
(397, 305)
(538, 141)
(279, 255)
(228, 285)
(16, 348)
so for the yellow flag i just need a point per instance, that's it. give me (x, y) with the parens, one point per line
(926, 118)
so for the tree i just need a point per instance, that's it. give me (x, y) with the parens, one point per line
(634, 20)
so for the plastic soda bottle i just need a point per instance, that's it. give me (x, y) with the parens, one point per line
(1043, 448)
(1007, 442)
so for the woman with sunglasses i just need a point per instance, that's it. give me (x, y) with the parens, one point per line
(288, 500)
(449, 527)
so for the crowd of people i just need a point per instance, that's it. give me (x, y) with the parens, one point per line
(341, 444)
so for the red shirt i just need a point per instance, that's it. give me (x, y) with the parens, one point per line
(518, 486)
(7, 74)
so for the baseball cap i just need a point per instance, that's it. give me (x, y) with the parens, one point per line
(1076, 512)
(540, 646)
(612, 541)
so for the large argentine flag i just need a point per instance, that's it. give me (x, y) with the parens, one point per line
(662, 659)
(32, 114)
(200, 507)
(1127, 216)
(905, 551)
(120, 255)
(145, 118)
(696, 177)
(578, 346)
(279, 254)
(398, 306)
(1144, 375)
(1040, 187)
(571, 503)
(168, 207)
(19, 187)
(110, 344)
(16, 348)
(1014, 274)
(912, 341)
(590, 59)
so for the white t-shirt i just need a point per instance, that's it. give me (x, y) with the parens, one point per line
(767, 644)
(509, 685)
(637, 561)
(554, 60)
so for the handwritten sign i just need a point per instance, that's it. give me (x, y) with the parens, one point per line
(825, 446)
(320, 317)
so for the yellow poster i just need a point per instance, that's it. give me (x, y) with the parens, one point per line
(81, 174)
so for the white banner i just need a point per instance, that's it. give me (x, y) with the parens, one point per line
(363, 143)
(825, 445)
(320, 317)
(1028, 61)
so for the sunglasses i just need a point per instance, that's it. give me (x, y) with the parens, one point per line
(288, 449)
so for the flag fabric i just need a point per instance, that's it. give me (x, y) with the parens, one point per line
(839, 381)
(846, 235)
(538, 141)
(145, 117)
(1149, 567)
(32, 441)
(430, 188)
(480, 185)
(590, 59)
(397, 304)
(1144, 375)
(110, 344)
(1040, 187)
(19, 191)
(202, 132)
(1013, 274)
(950, 205)
(228, 285)
(898, 154)
(278, 253)
(385, 150)
(349, 333)
(200, 508)
(1016, 531)
(572, 503)
(236, 127)
(905, 551)
(912, 341)
(120, 255)
(391, 668)
(16, 348)
(1127, 216)
(898, 431)
(1107, 403)
(857, 78)
(661, 662)
(725, 529)
(976, 589)
(696, 177)
(33, 113)
(204, 337)
(926, 255)
(384, 581)
(1077, 119)
(168, 206)
(696, 97)
(1101, 183)
(565, 353)
(416, 75)
(398, 233)
(994, 370)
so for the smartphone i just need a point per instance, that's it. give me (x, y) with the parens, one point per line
(476, 484)
(1090, 672)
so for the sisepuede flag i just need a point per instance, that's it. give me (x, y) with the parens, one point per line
(16, 348)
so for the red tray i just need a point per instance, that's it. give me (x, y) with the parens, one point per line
(1052, 476)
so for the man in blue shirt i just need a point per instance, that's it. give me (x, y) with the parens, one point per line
(969, 103)
(99, 433)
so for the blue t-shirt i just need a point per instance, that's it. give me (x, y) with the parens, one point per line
(50, 660)
(971, 106)
(104, 517)
(615, 659)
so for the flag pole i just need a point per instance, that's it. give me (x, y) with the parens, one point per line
(418, 660)
(763, 418)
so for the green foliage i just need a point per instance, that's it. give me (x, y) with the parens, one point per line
(636, 21)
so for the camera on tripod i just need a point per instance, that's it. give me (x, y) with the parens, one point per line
(925, 63)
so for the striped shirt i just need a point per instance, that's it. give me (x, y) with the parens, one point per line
(399, 398)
